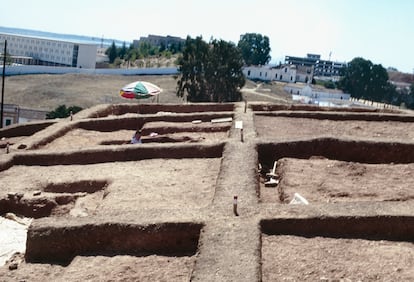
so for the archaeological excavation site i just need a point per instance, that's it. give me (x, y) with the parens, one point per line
(216, 192)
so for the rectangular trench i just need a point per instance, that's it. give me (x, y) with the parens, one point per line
(394, 228)
(48, 244)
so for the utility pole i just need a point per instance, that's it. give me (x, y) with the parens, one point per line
(2, 84)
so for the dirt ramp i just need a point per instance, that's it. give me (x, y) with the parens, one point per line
(61, 244)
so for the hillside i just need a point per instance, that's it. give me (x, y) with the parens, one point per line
(46, 92)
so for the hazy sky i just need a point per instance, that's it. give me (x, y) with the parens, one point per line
(379, 30)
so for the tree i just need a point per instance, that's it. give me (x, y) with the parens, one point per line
(255, 48)
(210, 72)
(62, 112)
(362, 79)
(112, 52)
(123, 51)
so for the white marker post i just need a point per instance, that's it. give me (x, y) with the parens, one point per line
(239, 125)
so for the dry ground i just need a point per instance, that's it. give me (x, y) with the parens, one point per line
(46, 92)
(230, 248)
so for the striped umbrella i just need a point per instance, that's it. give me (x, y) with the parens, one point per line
(140, 90)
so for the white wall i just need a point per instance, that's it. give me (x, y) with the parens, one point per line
(21, 70)
(87, 56)
(266, 73)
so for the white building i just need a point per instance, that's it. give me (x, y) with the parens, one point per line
(51, 52)
(312, 95)
(283, 73)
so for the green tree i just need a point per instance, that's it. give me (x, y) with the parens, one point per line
(363, 79)
(62, 112)
(255, 48)
(112, 52)
(123, 51)
(210, 72)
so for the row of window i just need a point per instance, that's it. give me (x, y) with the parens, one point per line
(32, 41)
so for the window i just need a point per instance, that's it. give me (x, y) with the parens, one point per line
(8, 121)
(248, 73)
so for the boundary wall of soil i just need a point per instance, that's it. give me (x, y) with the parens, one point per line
(61, 244)
(340, 116)
(394, 228)
(115, 154)
(344, 150)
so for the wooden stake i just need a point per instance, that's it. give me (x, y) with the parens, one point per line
(235, 206)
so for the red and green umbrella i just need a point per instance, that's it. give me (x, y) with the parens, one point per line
(140, 90)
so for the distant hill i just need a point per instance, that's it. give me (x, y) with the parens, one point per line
(106, 42)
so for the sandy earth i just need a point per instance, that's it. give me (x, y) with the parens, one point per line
(294, 258)
(231, 248)
(290, 128)
(331, 181)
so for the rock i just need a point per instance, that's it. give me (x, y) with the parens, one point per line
(37, 193)
(13, 266)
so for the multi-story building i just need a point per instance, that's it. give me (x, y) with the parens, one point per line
(157, 40)
(324, 68)
(50, 52)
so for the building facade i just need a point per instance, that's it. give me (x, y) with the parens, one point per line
(157, 40)
(324, 68)
(50, 52)
(283, 73)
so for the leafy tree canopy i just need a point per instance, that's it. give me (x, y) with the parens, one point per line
(210, 72)
(255, 48)
(62, 112)
(363, 79)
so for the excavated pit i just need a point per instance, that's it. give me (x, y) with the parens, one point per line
(329, 170)
(342, 248)
(57, 199)
(392, 228)
(48, 244)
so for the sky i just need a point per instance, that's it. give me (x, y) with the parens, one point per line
(381, 31)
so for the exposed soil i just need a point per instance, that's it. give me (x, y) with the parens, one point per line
(108, 211)
(320, 180)
(295, 258)
(281, 128)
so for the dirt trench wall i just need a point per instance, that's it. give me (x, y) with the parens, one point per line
(26, 129)
(134, 123)
(122, 109)
(398, 228)
(304, 107)
(62, 244)
(343, 150)
(126, 153)
(340, 116)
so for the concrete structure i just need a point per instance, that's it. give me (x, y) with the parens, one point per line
(324, 68)
(13, 114)
(283, 73)
(307, 94)
(157, 40)
(50, 52)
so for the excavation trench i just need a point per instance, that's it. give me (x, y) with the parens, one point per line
(336, 149)
(57, 196)
(393, 228)
(61, 244)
